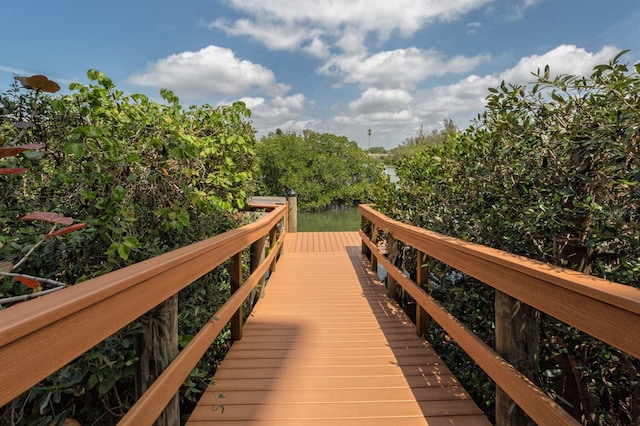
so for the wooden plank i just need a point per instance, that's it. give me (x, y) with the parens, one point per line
(280, 201)
(404, 421)
(325, 346)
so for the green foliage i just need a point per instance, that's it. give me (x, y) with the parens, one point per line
(421, 140)
(146, 177)
(550, 171)
(325, 170)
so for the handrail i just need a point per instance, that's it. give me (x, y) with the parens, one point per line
(606, 310)
(67, 323)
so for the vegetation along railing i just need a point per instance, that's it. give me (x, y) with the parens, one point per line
(41, 336)
(607, 311)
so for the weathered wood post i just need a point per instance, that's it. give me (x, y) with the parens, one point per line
(258, 254)
(235, 272)
(373, 260)
(366, 227)
(422, 277)
(517, 341)
(392, 254)
(273, 238)
(157, 348)
(292, 211)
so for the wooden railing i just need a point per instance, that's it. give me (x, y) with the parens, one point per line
(607, 311)
(42, 335)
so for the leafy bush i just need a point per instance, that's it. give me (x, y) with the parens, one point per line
(146, 177)
(551, 171)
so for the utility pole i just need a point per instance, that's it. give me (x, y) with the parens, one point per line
(369, 150)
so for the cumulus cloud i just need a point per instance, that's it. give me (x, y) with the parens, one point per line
(275, 36)
(341, 34)
(564, 59)
(400, 68)
(276, 112)
(379, 16)
(394, 115)
(375, 100)
(212, 70)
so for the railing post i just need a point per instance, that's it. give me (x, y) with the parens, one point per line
(292, 211)
(257, 250)
(273, 238)
(235, 267)
(373, 260)
(157, 348)
(392, 254)
(517, 340)
(366, 226)
(422, 277)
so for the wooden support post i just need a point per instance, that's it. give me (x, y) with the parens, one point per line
(257, 250)
(366, 227)
(422, 277)
(157, 348)
(292, 215)
(235, 273)
(392, 248)
(373, 260)
(273, 238)
(517, 340)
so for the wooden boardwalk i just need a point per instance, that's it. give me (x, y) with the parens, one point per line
(326, 347)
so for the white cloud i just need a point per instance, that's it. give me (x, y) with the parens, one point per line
(564, 59)
(210, 71)
(394, 115)
(379, 16)
(317, 48)
(375, 101)
(274, 36)
(464, 99)
(400, 68)
(269, 114)
(341, 33)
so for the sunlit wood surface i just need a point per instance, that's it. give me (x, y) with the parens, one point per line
(326, 347)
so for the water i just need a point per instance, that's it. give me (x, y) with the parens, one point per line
(337, 220)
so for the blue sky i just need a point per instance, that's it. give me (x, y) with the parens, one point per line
(327, 65)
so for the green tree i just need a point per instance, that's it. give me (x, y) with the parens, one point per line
(324, 169)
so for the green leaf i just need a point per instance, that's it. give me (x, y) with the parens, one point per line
(118, 193)
(123, 251)
(132, 242)
(183, 218)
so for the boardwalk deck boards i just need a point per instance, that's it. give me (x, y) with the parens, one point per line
(326, 347)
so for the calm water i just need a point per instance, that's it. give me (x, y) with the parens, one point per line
(341, 219)
(345, 219)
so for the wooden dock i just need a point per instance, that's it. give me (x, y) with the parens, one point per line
(325, 346)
